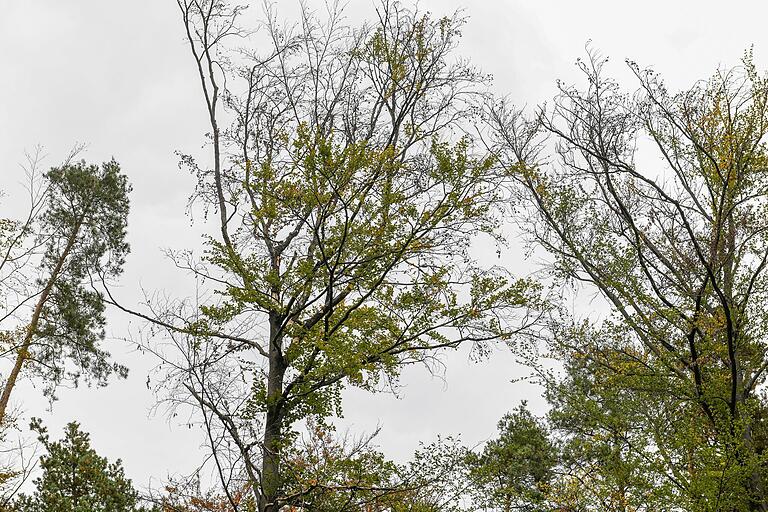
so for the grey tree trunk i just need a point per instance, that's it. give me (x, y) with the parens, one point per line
(271, 480)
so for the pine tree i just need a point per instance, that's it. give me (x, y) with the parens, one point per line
(515, 469)
(76, 479)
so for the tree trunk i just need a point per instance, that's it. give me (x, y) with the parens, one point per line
(271, 480)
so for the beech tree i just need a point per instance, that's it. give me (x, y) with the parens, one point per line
(677, 247)
(346, 199)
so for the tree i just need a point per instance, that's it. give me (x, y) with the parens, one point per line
(76, 479)
(342, 474)
(515, 470)
(73, 235)
(346, 202)
(607, 459)
(678, 251)
(186, 495)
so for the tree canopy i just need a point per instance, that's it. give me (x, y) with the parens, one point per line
(664, 392)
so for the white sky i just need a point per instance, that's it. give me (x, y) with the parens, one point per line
(117, 76)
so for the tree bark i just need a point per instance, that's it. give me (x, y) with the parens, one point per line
(271, 480)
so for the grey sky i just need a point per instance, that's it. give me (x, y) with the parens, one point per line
(117, 76)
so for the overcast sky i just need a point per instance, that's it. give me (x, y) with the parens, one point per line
(117, 76)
